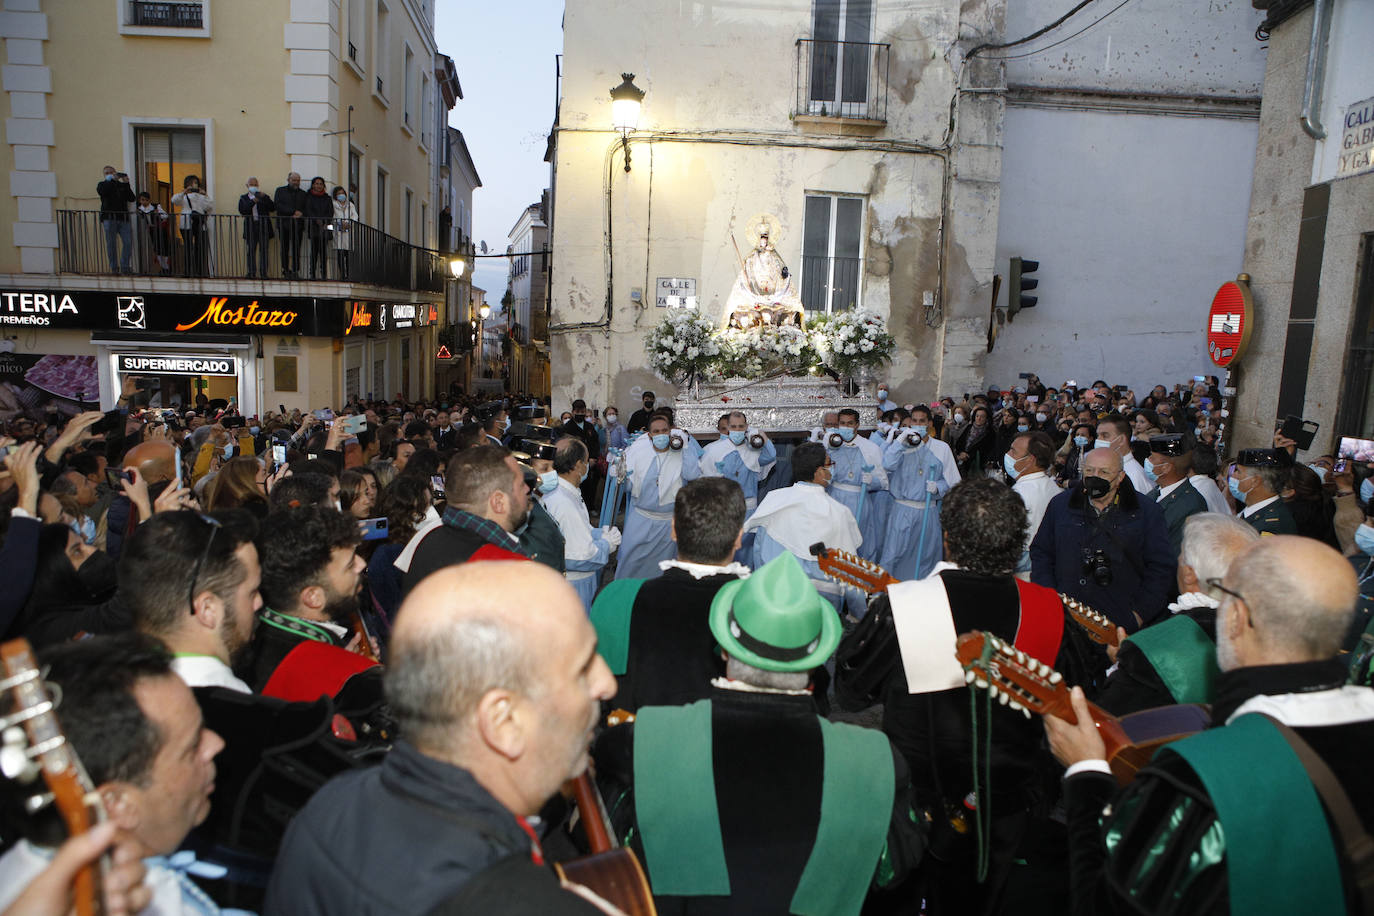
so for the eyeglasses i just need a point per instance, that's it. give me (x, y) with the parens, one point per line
(215, 525)
(1216, 584)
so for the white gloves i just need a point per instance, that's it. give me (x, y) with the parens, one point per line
(612, 536)
(932, 487)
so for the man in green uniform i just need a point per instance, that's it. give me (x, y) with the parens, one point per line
(1170, 463)
(1265, 812)
(1257, 480)
(748, 802)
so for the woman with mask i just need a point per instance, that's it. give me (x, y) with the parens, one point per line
(319, 213)
(73, 590)
(659, 464)
(976, 448)
(614, 434)
(345, 215)
(1069, 458)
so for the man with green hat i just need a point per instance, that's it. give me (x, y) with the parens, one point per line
(748, 801)
(1256, 480)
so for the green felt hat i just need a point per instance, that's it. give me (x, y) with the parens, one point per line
(775, 620)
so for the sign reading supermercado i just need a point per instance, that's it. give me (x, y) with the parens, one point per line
(134, 364)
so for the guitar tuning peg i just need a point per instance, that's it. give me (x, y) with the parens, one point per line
(14, 759)
(35, 803)
(969, 676)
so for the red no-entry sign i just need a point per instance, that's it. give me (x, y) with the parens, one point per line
(1229, 321)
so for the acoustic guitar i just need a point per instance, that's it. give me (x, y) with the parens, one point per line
(851, 570)
(611, 871)
(366, 640)
(41, 746)
(1096, 624)
(1030, 686)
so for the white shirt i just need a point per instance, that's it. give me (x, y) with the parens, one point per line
(706, 570)
(1036, 490)
(1137, 474)
(207, 671)
(802, 514)
(25, 861)
(1211, 494)
(566, 506)
(1165, 491)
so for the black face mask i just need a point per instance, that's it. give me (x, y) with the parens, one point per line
(98, 575)
(1096, 487)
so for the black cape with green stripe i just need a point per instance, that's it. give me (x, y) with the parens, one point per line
(768, 768)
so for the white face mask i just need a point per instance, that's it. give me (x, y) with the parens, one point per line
(252, 189)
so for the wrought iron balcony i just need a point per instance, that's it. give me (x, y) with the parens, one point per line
(842, 79)
(163, 14)
(217, 247)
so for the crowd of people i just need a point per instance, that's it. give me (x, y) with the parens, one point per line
(304, 655)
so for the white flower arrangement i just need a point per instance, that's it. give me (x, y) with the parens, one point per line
(683, 344)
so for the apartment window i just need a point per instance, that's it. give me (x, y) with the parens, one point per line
(408, 99)
(166, 156)
(382, 61)
(381, 198)
(409, 202)
(832, 252)
(426, 110)
(357, 29)
(174, 15)
(839, 65)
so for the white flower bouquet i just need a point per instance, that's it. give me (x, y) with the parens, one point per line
(683, 345)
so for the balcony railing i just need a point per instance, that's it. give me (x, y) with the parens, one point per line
(830, 284)
(166, 14)
(842, 79)
(217, 248)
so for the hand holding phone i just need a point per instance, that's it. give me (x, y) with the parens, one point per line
(373, 529)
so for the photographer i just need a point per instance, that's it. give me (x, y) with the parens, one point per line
(115, 197)
(1104, 544)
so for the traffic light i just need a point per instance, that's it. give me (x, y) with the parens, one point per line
(1016, 298)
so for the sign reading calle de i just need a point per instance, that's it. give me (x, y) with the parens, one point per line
(676, 292)
(1357, 140)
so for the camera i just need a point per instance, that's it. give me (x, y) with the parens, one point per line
(676, 442)
(1098, 565)
(757, 441)
(834, 440)
(910, 439)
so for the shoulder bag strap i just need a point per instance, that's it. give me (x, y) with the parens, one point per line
(1359, 847)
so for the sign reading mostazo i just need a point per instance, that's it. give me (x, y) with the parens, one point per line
(219, 312)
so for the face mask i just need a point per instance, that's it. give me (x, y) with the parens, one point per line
(337, 506)
(253, 430)
(1022, 428)
(660, 441)
(1096, 487)
(1367, 490)
(737, 436)
(1150, 470)
(1080, 441)
(583, 479)
(548, 482)
(505, 424)
(847, 433)
(1320, 471)
(958, 418)
(882, 394)
(1102, 443)
(920, 430)
(1040, 418)
(229, 450)
(252, 189)
(340, 198)
(110, 177)
(1234, 486)
(611, 418)
(1364, 539)
(1009, 463)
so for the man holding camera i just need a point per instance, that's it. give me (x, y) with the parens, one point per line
(115, 197)
(921, 469)
(1104, 544)
(659, 464)
(744, 455)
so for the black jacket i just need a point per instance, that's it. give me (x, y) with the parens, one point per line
(672, 656)
(288, 200)
(396, 839)
(1099, 880)
(441, 547)
(319, 208)
(263, 225)
(585, 432)
(1135, 684)
(115, 197)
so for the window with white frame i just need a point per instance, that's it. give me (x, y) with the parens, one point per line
(382, 52)
(357, 31)
(408, 90)
(832, 252)
(426, 110)
(172, 18)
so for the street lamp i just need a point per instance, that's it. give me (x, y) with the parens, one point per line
(484, 312)
(457, 265)
(626, 100)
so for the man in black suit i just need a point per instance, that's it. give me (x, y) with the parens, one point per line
(289, 201)
(445, 434)
(579, 427)
(640, 418)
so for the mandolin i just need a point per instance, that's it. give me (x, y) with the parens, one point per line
(1098, 627)
(851, 570)
(366, 641)
(1024, 684)
(41, 741)
(611, 871)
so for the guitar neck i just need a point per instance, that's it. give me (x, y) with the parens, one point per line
(595, 822)
(364, 647)
(1060, 705)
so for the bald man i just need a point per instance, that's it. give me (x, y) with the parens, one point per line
(1286, 603)
(1104, 544)
(156, 462)
(497, 696)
